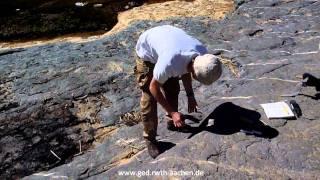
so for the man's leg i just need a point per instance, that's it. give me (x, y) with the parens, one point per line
(148, 106)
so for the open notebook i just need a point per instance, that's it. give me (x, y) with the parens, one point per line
(277, 110)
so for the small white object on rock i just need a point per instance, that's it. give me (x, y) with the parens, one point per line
(210, 122)
(17, 9)
(131, 3)
(81, 4)
(55, 155)
(36, 139)
(97, 5)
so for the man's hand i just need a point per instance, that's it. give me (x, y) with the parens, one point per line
(192, 104)
(177, 118)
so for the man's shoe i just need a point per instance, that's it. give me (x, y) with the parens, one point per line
(153, 148)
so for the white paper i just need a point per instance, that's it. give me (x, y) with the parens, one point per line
(277, 110)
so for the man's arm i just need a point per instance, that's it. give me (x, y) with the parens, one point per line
(157, 94)
(187, 83)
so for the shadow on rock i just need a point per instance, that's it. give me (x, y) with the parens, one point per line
(164, 146)
(230, 118)
(311, 81)
(193, 119)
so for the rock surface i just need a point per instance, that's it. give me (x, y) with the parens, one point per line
(20, 20)
(59, 99)
(54, 95)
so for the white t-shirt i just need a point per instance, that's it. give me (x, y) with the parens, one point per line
(171, 50)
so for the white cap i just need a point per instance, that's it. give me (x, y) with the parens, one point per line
(207, 68)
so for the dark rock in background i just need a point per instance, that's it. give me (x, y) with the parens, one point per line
(25, 19)
(54, 95)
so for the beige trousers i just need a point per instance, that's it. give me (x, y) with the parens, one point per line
(171, 88)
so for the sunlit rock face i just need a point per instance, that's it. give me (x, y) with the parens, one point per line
(59, 99)
(56, 96)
